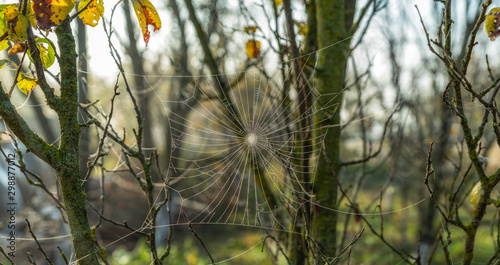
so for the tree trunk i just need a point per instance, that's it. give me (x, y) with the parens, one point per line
(333, 18)
(67, 163)
(84, 144)
(303, 147)
(141, 86)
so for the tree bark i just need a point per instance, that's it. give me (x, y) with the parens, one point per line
(64, 159)
(333, 18)
(303, 148)
(84, 144)
(141, 86)
(67, 164)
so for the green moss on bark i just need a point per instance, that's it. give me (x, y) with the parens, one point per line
(67, 165)
(330, 75)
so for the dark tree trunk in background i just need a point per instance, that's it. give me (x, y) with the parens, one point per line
(141, 86)
(179, 111)
(84, 144)
(334, 19)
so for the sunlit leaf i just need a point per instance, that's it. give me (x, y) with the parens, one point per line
(278, 2)
(16, 24)
(25, 84)
(50, 13)
(476, 193)
(3, 7)
(252, 48)
(47, 53)
(147, 15)
(31, 15)
(3, 63)
(3, 21)
(303, 28)
(20, 47)
(492, 23)
(4, 45)
(94, 11)
(251, 29)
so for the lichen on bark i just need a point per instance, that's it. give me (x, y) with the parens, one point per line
(333, 18)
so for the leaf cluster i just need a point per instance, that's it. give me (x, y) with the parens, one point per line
(42, 15)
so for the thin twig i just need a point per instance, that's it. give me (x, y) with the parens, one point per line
(6, 256)
(349, 246)
(124, 224)
(366, 159)
(197, 237)
(38, 243)
(63, 255)
(17, 73)
(105, 129)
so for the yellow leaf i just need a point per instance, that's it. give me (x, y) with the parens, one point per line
(251, 29)
(17, 24)
(50, 13)
(31, 15)
(492, 23)
(94, 11)
(278, 2)
(4, 45)
(476, 193)
(303, 28)
(25, 84)
(147, 15)
(60, 9)
(192, 259)
(252, 48)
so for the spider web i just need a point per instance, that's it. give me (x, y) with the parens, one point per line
(224, 153)
(237, 155)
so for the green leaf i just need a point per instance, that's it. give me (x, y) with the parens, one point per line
(47, 53)
(3, 62)
(25, 84)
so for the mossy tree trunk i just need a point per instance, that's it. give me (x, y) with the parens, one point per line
(68, 165)
(334, 20)
(65, 158)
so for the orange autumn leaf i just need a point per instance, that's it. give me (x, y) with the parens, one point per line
(94, 11)
(20, 47)
(50, 13)
(147, 15)
(252, 49)
(251, 29)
